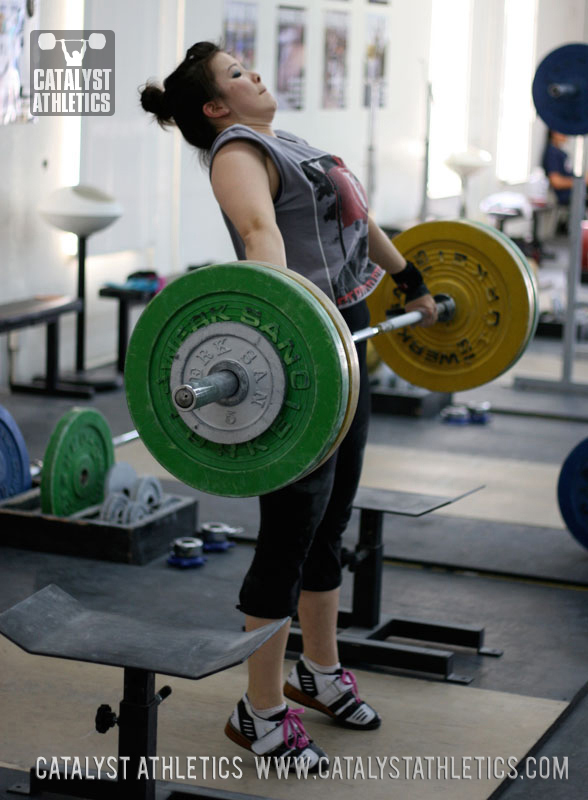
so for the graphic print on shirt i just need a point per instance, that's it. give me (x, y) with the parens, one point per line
(341, 203)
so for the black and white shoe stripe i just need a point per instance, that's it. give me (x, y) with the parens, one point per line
(306, 678)
(246, 723)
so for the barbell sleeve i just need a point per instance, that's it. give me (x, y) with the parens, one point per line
(557, 90)
(214, 387)
(445, 312)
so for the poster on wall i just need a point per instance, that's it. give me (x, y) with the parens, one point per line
(335, 70)
(17, 19)
(240, 31)
(375, 60)
(291, 57)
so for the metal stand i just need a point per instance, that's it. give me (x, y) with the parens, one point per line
(137, 722)
(52, 623)
(364, 636)
(137, 754)
(566, 383)
(80, 377)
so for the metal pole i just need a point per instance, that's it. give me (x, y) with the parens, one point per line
(424, 205)
(81, 316)
(371, 150)
(565, 383)
(391, 324)
(575, 257)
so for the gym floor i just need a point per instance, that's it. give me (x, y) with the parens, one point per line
(500, 558)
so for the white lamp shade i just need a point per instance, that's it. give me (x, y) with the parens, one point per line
(468, 162)
(80, 209)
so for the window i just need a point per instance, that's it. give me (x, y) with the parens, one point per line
(513, 151)
(449, 71)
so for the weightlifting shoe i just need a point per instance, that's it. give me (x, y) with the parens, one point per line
(281, 736)
(333, 693)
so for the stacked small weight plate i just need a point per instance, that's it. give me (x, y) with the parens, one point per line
(128, 497)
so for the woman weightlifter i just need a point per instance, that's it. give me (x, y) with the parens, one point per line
(290, 204)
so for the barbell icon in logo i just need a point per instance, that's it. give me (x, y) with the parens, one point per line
(47, 41)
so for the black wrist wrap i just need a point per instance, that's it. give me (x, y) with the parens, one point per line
(410, 281)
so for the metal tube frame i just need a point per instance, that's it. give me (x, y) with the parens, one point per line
(137, 723)
(566, 382)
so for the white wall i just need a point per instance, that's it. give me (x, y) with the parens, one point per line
(31, 164)
(170, 217)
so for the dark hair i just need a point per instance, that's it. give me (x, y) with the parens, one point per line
(186, 90)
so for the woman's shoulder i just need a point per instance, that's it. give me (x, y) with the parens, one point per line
(236, 132)
(236, 135)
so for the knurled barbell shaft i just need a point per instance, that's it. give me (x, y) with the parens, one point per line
(224, 383)
(445, 312)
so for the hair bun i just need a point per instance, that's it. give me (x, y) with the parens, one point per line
(156, 101)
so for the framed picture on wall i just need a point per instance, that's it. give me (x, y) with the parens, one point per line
(240, 31)
(291, 57)
(375, 59)
(17, 19)
(335, 66)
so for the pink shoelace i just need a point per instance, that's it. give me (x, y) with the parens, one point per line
(348, 678)
(294, 728)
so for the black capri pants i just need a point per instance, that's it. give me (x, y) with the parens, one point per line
(301, 525)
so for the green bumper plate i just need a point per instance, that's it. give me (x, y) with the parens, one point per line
(311, 354)
(78, 456)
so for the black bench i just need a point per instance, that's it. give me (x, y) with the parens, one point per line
(44, 310)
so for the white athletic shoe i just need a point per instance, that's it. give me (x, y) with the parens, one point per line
(333, 693)
(282, 736)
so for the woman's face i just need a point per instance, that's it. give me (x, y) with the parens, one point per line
(242, 91)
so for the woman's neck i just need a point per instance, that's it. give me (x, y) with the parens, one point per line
(258, 127)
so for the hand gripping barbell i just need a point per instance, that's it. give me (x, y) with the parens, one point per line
(243, 377)
(96, 41)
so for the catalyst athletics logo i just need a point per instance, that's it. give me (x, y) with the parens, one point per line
(72, 73)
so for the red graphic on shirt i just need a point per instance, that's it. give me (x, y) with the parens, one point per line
(342, 214)
(340, 196)
(350, 193)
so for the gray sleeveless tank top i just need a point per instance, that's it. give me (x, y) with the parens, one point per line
(322, 213)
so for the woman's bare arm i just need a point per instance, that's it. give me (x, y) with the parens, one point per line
(241, 184)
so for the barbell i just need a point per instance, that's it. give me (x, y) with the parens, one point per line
(96, 41)
(229, 385)
(243, 377)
